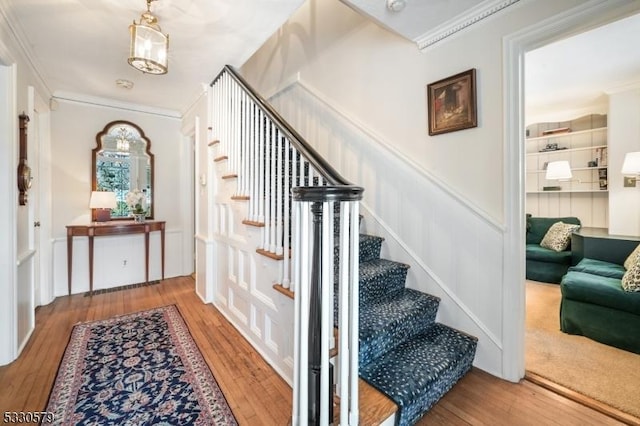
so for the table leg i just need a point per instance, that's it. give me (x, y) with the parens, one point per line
(69, 258)
(146, 256)
(91, 265)
(162, 249)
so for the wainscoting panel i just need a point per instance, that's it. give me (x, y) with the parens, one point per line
(238, 306)
(118, 261)
(25, 299)
(243, 279)
(454, 249)
(592, 208)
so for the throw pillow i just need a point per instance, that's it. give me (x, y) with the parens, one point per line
(558, 236)
(628, 263)
(631, 278)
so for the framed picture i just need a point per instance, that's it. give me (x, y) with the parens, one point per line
(451, 103)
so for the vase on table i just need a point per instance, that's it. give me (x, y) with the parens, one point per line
(139, 217)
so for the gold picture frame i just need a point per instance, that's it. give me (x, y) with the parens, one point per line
(452, 103)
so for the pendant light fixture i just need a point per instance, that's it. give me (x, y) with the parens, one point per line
(149, 45)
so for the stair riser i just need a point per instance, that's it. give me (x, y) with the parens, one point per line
(368, 250)
(418, 372)
(382, 286)
(416, 410)
(389, 336)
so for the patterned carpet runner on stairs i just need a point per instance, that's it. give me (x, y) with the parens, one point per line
(404, 353)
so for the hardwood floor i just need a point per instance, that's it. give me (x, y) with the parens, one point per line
(255, 392)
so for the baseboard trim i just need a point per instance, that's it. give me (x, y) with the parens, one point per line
(582, 399)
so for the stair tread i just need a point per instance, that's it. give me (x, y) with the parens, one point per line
(418, 372)
(379, 267)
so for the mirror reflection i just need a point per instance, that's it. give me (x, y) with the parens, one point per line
(123, 164)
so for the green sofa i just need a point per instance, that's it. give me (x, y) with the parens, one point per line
(543, 264)
(595, 305)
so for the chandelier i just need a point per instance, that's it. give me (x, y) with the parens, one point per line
(123, 140)
(149, 46)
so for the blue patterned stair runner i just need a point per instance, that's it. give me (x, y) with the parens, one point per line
(404, 353)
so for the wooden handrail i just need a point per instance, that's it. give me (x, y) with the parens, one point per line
(319, 163)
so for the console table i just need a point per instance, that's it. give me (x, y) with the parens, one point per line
(98, 229)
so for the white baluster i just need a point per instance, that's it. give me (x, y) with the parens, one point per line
(343, 312)
(268, 194)
(306, 241)
(287, 199)
(279, 194)
(241, 138)
(297, 317)
(225, 110)
(326, 302)
(253, 191)
(246, 153)
(310, 176)
(237, 135)
(354, 310)
(261, 172)
(272, 184)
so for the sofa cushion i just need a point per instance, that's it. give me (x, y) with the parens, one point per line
(599, 267)
(537, 227)
(631, 259)
(541, 254)
(558, 236)
(631, 278)
(597, 290)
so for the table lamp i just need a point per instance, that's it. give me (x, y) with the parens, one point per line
(103, 202)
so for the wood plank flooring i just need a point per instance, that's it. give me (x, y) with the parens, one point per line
(255, 392)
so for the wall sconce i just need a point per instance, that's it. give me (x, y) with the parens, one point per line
(558, 170)
(103, 202)
(631, 168)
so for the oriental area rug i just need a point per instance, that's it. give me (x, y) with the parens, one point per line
(138, 369)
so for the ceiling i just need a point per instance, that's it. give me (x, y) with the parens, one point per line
(80, 47)
(574, 76)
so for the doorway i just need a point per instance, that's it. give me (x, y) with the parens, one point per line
(567, 349)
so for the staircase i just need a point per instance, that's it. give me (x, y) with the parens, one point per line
(404, 353)
(401, 350)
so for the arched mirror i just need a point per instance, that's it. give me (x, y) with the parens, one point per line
(123, 164)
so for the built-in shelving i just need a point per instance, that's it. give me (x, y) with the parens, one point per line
(560, 135)
(586, 152)
(586, 194)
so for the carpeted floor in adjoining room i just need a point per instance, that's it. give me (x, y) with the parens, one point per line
(602, 372)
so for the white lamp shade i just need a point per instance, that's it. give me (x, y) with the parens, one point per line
(631, 164)
(559, 170)
(103, 200)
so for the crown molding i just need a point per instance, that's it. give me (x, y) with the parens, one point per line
(453, 26)
(70, 97)
(625, 87)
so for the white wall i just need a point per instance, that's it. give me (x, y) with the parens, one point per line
(74, 125)
(381, 78)
(378, 81)
(624, 133)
